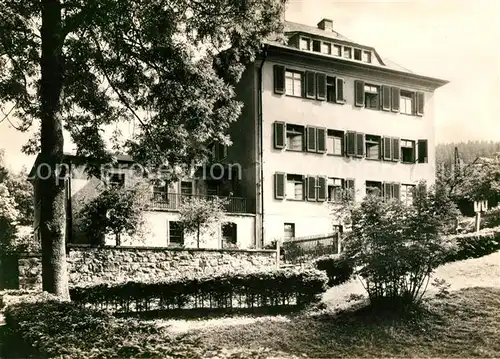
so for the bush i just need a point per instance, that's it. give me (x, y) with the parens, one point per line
(338, 269)
(250, 290)
(491, 218)
(474, 245)
(16, 296)
(65, 330)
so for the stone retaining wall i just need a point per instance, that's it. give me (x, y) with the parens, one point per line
(92, 265)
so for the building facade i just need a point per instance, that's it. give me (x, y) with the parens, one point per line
(323, 113)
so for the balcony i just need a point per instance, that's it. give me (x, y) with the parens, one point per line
(172, 202)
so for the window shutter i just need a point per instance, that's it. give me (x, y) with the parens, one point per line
(351, 143)
(381, 148)
(279, 79)
(311, 138)
(414, 153)
(360, 144)
(359, 95)
(395, 149)
(396, 191)
(349, 186)
(320, 86)
(386, 98)
(387, 189)
(279, 185)
(339, 90)
(387, 149)
(395, 99)
(420, 103)
(422, 151)
(310, 85)
(322, 188)
(321, 138)
(311, 188)
(279, 135)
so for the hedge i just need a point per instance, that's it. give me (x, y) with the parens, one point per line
(474, 245)
(64, 330)
(337, 268)
(285, 287)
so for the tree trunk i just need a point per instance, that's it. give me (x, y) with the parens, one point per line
(51, 189)
(198, 238)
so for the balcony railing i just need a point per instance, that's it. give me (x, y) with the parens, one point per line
(172, 202)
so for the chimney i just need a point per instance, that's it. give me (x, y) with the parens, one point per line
(326, 24)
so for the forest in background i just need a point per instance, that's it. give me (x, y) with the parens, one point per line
(468, 151)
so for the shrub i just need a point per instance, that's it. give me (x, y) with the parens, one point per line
(16, 296)
(394, 248)
(65, 330)
(338, 269)
(250, 290)
(474, 245)
(491, 218)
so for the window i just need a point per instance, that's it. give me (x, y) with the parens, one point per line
(175, 233)
(305, 43)
(407, 193)
(289, 230)
(295, 187)
(335, 189)
(347, 53)
(373, 188)
(372, 98)
(294, 137)
(335, 143)
(330, 89)
(422, 151)
(229, 235)
(391, 191)
(372, 144)
(406, 102)
(408, 151)
(326, 48)
(391, 149)
(357, 54)
(186, 188)
(337, 50)
(316, 46)
(116, 179)
(367, 56)
(355, 144)
(293, 83)
(212, 188)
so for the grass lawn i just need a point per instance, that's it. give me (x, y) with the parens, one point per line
(466, 324)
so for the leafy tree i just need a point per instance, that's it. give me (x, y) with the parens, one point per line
(8, 219)
(114, 211)
(84, 65)
(198, 215)
(394, 248)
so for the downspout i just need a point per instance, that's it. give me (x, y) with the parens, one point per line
(261, 144)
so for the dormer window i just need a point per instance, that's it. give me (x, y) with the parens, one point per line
(367, 56)
(305, 43)
(347, 53)
(326, 48)
(337, 50)
(357, 54)
(316, 46)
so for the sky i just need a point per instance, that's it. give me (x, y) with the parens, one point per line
(453, 40)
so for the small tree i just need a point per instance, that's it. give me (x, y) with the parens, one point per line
(200, 214)
(114, 211)
(394, 248)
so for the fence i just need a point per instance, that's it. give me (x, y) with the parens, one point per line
(303, 249)
(172, 201)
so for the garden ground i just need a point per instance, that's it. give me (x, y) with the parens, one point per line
(465, 324)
